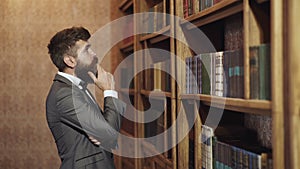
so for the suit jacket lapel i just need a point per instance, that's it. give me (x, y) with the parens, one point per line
(86, 97)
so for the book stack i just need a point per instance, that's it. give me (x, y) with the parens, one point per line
(218, 74)
(236, 150)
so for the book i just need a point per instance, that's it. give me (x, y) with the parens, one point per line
(157, 76)
(219, 74)
(207, 134)
(264, 72)
(254, 75)
(205, 73)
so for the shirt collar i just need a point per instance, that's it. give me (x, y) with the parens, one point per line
(75, 80)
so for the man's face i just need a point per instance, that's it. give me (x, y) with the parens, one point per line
(86, 61)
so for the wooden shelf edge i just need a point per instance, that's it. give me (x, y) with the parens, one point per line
(157, 36)
(125, 5)
(219, 11)
(126, 133)
(156, 94)
(125, 91)
(127, 47)
(262, 107)
(262, 1)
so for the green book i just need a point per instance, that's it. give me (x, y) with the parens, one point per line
(264, 72)
(205, 72)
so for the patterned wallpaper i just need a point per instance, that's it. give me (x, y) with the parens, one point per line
(27, 72)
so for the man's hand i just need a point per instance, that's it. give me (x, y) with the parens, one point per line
(94, 141)
(105, 80)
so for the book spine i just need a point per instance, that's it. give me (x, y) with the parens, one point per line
(205, 74)
(231, 73)
(185, 8)
(240, 74)
(199, 72)
(157, 76)
(187, 79)
(234, 157)
(226, 83)
(219, 74)
(254, 75)
(212, 73)
(245, 159)
(190, 7)
(196, 6)
(264, 72)
(203, 4)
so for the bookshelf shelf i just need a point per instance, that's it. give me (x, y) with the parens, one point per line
(158, 36)
(126, 133)
(262, 107)
(219, 11)
(125, 91)
(125, 5)
(156, 94)
(127, 48)
(261, 1)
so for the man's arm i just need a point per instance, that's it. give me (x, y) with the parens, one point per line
(77, 113)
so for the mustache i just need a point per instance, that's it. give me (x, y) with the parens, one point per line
(95, 60)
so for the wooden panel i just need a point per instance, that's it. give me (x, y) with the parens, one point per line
(246, 20)
(277, 83)
(292, 95)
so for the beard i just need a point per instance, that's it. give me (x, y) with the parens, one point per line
(81, 71)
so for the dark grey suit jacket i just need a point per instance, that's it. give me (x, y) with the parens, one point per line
(72, 116)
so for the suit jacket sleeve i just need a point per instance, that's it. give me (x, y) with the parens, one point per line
(78, 113)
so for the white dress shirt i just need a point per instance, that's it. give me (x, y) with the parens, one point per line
(76, 81)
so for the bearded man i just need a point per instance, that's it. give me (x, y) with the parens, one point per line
(84, 133)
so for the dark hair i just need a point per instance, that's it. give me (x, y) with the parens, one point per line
(63, 42)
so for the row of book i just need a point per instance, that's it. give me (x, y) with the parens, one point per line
(156, 18)
(191, 7)
(219, 74)
(222, 73)
(232, 152)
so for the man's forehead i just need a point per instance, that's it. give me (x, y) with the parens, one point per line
(82, 43)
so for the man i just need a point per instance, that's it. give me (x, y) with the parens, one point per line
(83, 133)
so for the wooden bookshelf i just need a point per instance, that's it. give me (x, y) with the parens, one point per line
(125, 5)
(127, 91)
(156, 94)
(158, 36)
(127, 48)
(262, 107)
(258, 28)
(219, 11)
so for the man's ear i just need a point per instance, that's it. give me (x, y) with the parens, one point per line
(70, 61)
